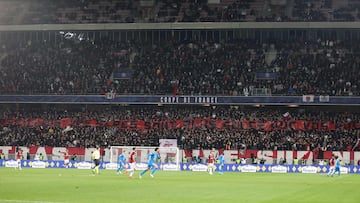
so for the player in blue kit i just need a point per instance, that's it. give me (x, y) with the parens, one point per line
(151, 163)
(121, 162)
(221, 164)
(337, 166)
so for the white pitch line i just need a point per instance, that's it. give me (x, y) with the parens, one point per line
(25, 201)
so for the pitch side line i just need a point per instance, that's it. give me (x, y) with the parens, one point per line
(25, 201)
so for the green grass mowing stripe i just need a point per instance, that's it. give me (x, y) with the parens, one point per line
(72, 185)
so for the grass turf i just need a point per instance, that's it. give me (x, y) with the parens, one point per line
(73, 185)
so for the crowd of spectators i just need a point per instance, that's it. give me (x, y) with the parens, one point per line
(130, 11)
(322, 67)
(81, 135)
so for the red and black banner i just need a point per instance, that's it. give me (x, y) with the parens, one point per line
(197, 123)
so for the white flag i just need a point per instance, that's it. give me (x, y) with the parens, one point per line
(308, 98)
(324, 98)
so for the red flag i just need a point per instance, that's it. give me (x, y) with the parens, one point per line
(65, 122)
(287, 115)
(179, 124)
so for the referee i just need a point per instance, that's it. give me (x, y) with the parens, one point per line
(96, 158)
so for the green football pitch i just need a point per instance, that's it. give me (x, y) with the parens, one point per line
(73, 185)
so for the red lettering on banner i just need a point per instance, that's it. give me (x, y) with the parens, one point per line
(48, 150)
(268, 155)
(140, 125)
(65, 122)
(36, 122)
(207, 123)
(228, 124)
(254, 125)
(332, 126)
(281, 125)
(308, 125)
(169, 124)
(155, 125)
(76, 150)
(292, 125)
(12, 150)
(328, 154)
(219, 124)
(299, 125)
(148, 125)
(245, 125)
(197, 123)
(92, 122)
(127, 125)
(203, 123)
(33, 149)
(237, 124)
(188, 124)
(110, 123)
(268, 126)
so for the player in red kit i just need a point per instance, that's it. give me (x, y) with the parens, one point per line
(332, 164)
(19, 155)
(211, 162)
(132, 162)
(66, 158)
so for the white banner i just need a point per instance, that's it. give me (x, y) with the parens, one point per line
(111, 166)
(170, 167)
(248, 168)
(279, 169)
(141, 166)
(84, 165)
(168, 142)
(324, 98)
(11, 163)
(199, 167)
(344, 170)
(308, 98)
(309, 169)
(213, 1)
(38, 164)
